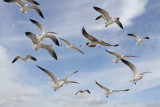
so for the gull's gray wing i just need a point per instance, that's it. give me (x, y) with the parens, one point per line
(71, 74)
(15, 59)
(32, 37)
(50, 50)
(145, 37)
(102, 87)
(119, 24)
(133, 35)
(53, 38)
(32, 1)
(49, 74)
(131, 66)
(106, 44)
(30, 57)
(103, 12)
(113, 53)
(87, 91)
(65, 41)
(120, 90)
(38, 25)
(78, 49)
(18, 2)
(35, 7)
(144, 73)
(89, 37)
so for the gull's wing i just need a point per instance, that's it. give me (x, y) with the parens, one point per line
(32, 37)
(53, 38)
(125, 56)
(49, 73)
(65, 41)
(103, 12)
(101, 16)
(89, 37)
(87, 91)
(120, 90)
(78, 92)
(38, 25)
(145, 37)
(78, 49)
(106, 44)
(119, 24)
(71, 74)
(70, 82)
(112, 53)
(15, 59)
(102, 87)
(51, 32)
(32, 1)
(133, 35)
(50, 50)
(131, 66)
(18, 2)
(30, 57)
(35, 7)
(144, 73)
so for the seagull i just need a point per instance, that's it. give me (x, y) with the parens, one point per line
(37, 45)
(70, 46)
(26, 6)
(107, 18)
(82, 91)
(119, 57)
(138, 39)
(24, 59)
(58, 83)
(136, 75)
(94, 41)
(109, 91)
(44, 35)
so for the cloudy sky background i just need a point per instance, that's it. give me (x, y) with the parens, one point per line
(23, 84)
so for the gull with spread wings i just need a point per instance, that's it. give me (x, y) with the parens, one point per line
(82, 91)
(25, 7)
(136, 75)
(37, 45)
(58, 83)
(109, 91)
(119, 57)
(24, 59)
(70, 46)
(44, 35)
(137, 38)
(107, 18)
(93, 41)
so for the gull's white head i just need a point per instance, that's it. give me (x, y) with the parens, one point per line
(24, 9)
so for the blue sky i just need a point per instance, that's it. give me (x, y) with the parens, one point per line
(25, 84)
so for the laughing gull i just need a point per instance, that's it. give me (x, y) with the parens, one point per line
(26, 6)
(136, 75)
(82, 91)
(58, 83)
(93, 40)
(37, 45)
(137, 38)
(24, 59)
(107, 18)
(119, 57)
(109, 91)
(70, 46)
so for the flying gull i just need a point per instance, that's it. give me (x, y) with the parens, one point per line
(58, 83)
(136, 75)
(137, 38)
(107, 18)
(109, 91)
(82, 91)
(44, 35)
(70, 46)
(24, 59)
(118, 57)
(93, 40)
(26, 6)
(37, 45)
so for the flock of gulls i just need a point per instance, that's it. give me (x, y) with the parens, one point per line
(37, 44)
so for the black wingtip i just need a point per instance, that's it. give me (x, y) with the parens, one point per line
(36, 3)
(7, 0)
(116, 45)
(33, 58)
(33, 21)
(96, 8)
(127, 89)
(28, 33)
